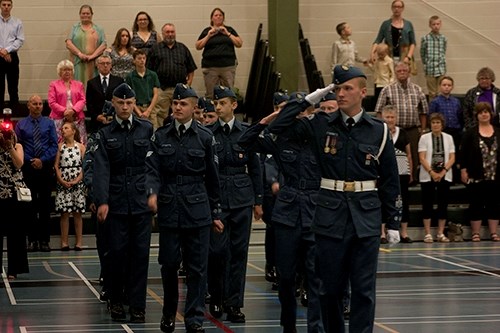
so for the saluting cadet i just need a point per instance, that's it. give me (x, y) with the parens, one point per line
(292, 216)
(359, 189)
(118, 183)
(241, 188)
(183, 188)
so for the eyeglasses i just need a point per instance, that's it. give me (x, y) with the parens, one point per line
(105, 63)
(142, 20)
(482, 78)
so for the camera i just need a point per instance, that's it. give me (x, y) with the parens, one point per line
(438, 166)
(6, 125)
(6, 130)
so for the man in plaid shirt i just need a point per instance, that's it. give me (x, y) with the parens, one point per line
(411, 104)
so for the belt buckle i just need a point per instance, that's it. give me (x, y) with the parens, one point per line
(349, 186)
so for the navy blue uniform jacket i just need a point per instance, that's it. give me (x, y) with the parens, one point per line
(183, 173)
(355, 160)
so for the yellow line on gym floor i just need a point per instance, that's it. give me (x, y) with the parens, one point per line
(388, 329)
(444, 248)
(157, 298)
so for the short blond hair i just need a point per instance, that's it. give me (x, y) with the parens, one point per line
(64, 64)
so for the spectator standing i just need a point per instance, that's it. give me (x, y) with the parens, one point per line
(146, 85)
(433, 55)
(399, 35)
(218, 43)
(347, 235)
(344, 50)
(241, 201)
(183, 188)
(86, 42)
(11, 160)
(67, 100)
(70, 195)
(144, 35)
(38, 136)
(404, 161)
(480, 171)
(122, 61)
(485, 91)
(11, 40)
(173, 63)
(436, 152)
(121, 200)
(451, 109)
(383, 70)
(411, 103)
(99, 90)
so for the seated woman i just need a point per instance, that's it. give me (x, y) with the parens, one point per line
(66, 99)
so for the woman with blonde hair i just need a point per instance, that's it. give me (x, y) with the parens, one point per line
(66, 99)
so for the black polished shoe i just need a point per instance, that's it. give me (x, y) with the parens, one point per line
(195, 328)
(347, 312)
(406, 240)
(32, 247)
(215, 310)
(291, 329)
(208, 297)
(270, 273)
(137, 316)
(304, 298)
(167, 324)
(275, 286)
(234, 315)
(117, 312)
(44, 247)
(104, 296)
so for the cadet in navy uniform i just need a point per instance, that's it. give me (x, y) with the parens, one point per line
(241, 186)
(183, 188)
(119, 174)
(292, 215)
(359, 189)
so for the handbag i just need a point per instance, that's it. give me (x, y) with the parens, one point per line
(23, 194)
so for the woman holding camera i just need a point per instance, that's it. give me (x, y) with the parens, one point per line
(219, 57)
(436, 152)
(11, 161)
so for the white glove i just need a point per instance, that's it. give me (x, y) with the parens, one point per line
(316, 96)
(393, 236)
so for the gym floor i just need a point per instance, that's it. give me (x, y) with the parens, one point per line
(421, 287)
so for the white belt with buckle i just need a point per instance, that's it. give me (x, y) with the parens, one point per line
(345, 186)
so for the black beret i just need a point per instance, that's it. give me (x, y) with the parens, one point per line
(279, 97)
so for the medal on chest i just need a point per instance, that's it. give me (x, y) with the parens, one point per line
(331, 143)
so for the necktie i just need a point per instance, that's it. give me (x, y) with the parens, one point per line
(126, 124)
(350, 123)
(227, 129)
(37, 139)
(104, 84)
(182, 130)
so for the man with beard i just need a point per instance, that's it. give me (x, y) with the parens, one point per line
(173, 63)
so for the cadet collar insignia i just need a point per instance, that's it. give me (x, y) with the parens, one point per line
(345, 67)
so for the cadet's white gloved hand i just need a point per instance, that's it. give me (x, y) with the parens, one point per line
(316, 96)
(393, 236)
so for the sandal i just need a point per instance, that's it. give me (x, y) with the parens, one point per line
(442, 239)
(494, 237)
(476, 237)
(428, 238)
